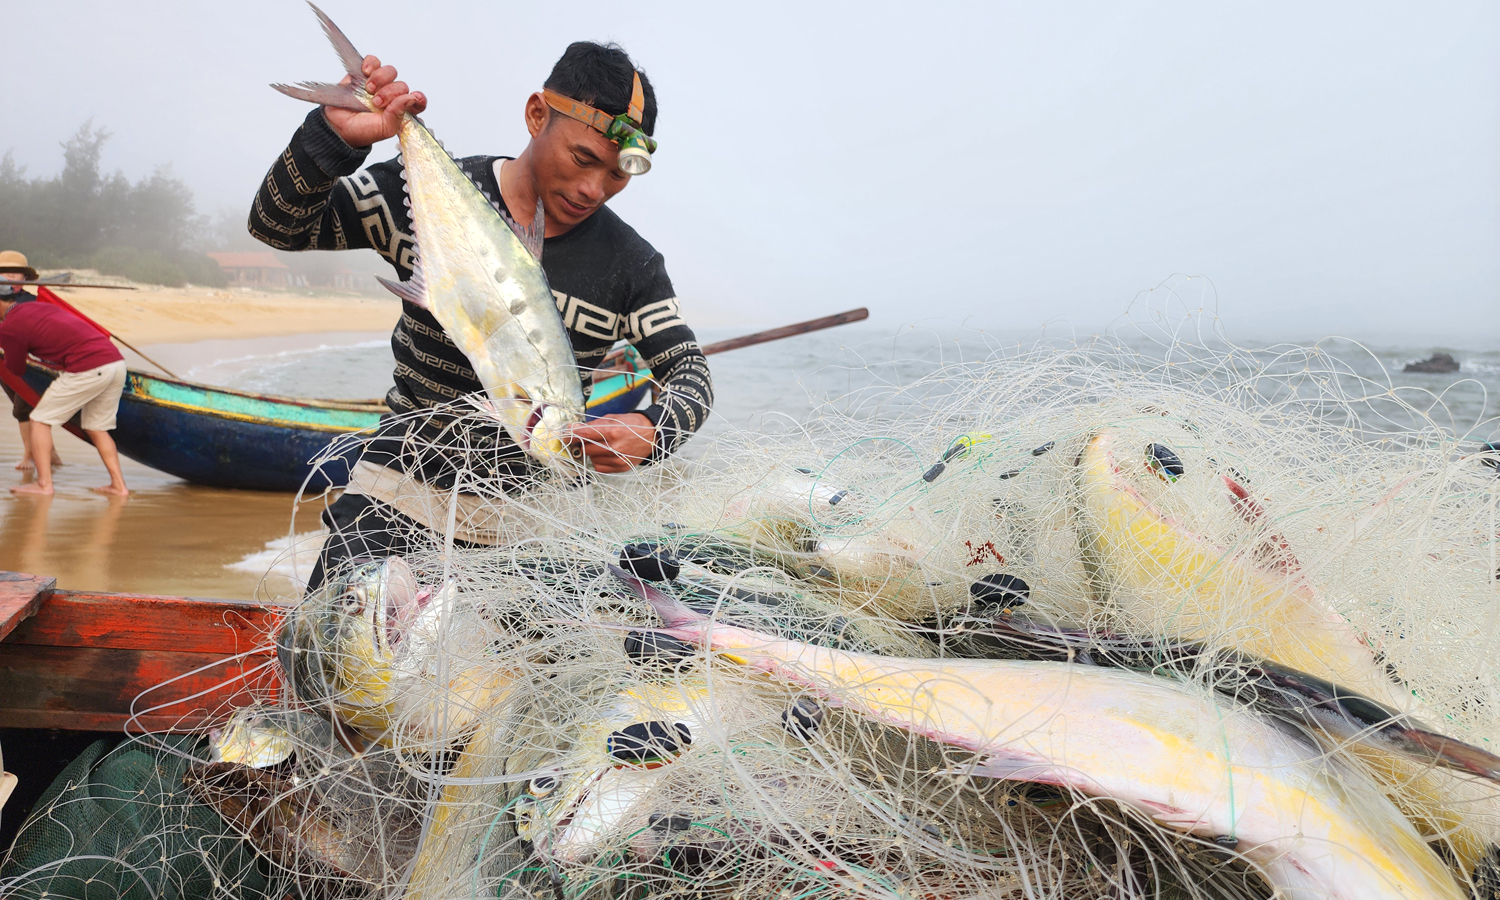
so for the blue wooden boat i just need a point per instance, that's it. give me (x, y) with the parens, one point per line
(237, 439)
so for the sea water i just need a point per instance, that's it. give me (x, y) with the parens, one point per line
(786, 379)
(171, 537)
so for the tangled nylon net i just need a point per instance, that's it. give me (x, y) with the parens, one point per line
(511, 721)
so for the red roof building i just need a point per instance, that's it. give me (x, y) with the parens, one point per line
(257, 268)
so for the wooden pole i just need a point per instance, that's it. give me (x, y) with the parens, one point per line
(80, 284)
(786, 331)
(44, 294)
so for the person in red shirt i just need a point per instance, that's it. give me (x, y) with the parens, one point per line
(14, 262)
(91, 381)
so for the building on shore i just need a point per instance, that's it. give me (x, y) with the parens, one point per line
(260, 268)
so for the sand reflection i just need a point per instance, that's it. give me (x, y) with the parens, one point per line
(168, 537)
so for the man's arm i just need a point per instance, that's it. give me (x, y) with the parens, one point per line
(303, 205)
(670, 348)
(294, 208)
(655, 328)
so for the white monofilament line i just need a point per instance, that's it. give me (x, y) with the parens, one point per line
(1354, 498)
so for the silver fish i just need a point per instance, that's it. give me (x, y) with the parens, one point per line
(481, 277)
(389, 657)
(1191, 764)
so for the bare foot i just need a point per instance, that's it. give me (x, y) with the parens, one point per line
(26, 465)
(57, 462)
(32, 489)
(110, 490)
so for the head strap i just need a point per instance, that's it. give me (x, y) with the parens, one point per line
(595, 118)
(637, 108)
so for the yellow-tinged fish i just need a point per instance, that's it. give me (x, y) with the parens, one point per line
(1159, 576)
(264, 736)
(390, 657)
(1173, 581)
(1313, 827)
(615, 760)
(482, 279)
(570, 805)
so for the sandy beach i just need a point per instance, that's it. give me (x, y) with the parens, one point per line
(161, 315)
(171, 537)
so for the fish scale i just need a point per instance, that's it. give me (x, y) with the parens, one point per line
(1169, 751)
(480, 275)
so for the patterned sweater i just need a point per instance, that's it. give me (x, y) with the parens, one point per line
(608, 282)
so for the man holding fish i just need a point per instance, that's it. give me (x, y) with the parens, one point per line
(460, 332)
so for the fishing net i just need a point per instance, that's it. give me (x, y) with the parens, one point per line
(1163, 511)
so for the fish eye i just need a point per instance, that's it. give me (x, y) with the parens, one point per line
(542, 785)
(1164, 462)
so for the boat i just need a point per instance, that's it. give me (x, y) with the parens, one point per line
(237, 439)
(95, 661)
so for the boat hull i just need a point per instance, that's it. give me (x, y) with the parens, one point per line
(235, 439)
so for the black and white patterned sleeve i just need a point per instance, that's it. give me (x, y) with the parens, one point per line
(316, 197)
(656, 328)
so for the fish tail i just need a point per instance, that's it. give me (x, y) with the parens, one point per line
(1455, 754)
(672, 611)
(352, 59)
(341, 96)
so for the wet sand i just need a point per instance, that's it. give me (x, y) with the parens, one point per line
(168, 537)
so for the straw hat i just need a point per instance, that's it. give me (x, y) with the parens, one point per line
(13, 261)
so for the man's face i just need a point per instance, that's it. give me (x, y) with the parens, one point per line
(12, 276)
(577, 170)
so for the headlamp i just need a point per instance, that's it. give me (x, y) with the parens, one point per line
(624, 130)
(635, 146)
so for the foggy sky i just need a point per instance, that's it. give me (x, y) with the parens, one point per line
(1331, 167)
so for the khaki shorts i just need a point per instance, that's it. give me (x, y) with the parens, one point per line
(96, 392)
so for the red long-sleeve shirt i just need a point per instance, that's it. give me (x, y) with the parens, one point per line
(55, 335)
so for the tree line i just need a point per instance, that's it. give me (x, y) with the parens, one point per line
(147, 231)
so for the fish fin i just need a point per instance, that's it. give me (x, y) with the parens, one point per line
(413, 290)
(339, 96)
(1349, 717)
(533, 236)
(1431, 747)
(1172, 816)
(671, 610)
(538, 230)
(1016, 765)
(352, 59)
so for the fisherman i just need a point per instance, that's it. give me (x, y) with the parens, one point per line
(91, 381)
(13, 268)
(589, 130)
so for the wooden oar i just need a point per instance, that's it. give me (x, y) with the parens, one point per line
(43, 293)
(80, 284)
(761, 337)
(786, 331)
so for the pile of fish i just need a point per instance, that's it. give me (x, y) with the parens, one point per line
(1044, 626)
(1107, 663)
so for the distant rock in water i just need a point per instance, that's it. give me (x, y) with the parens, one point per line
(1438, 363)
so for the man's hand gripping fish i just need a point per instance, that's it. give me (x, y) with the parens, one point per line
(480, 276)
(1163, 749)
